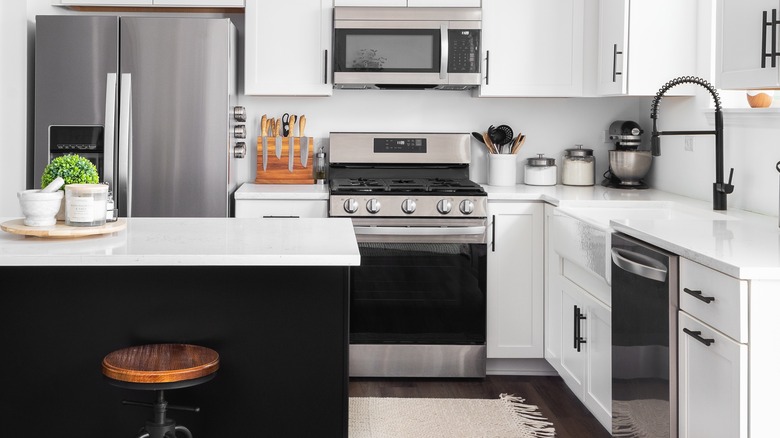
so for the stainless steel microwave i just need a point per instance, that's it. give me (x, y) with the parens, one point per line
(407, 48)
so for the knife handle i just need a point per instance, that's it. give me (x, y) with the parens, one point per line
(302, 126)
(292, 124)
(263, 126)
(278, 128)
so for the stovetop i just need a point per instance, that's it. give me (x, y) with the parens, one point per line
(405, 186)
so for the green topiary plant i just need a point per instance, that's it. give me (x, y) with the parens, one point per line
(74, 169)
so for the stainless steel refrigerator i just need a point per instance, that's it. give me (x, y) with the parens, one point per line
(150, 100)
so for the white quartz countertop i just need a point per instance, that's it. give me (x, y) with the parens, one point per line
(194, 242)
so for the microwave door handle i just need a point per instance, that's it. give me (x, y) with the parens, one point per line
(445, 51)
(109, 132)
(420, 231)
(124, 152)
(639, 264)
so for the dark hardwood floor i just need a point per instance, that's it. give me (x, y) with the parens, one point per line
(549, 393)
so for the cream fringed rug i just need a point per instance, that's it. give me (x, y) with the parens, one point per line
(506, 417)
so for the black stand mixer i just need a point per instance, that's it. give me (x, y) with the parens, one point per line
(627, 164)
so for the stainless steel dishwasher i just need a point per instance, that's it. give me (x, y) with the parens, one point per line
(644, 339)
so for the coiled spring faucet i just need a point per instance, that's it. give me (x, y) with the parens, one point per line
(720, 189)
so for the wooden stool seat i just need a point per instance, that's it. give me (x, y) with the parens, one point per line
(160, 363)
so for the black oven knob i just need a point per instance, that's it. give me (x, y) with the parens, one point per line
(350, 205)
(444, 206)
(408, 206)
(466, 206)
(373, 206)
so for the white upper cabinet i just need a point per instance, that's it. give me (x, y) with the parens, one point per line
(744, 42)
(645, 43)
(155, 3)
(287, 48)
(532, 48)
(411, 3)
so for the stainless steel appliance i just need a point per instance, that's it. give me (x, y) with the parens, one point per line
(644, 339)
(627, 164)
(149, 100)
(408, 48)
(417, 301)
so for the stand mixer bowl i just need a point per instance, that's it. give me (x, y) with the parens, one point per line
(630, 166)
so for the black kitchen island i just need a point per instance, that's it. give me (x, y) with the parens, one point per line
(271, 296)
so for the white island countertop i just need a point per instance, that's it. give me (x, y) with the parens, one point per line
(194, 242)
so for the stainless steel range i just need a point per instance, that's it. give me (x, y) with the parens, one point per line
(417, 304)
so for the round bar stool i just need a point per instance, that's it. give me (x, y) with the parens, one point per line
(159, 367)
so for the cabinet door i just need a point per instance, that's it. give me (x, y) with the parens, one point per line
(532, 48)
(287, 48)
(515, 281)
(597, 391)
(370, 2)
(713, 382)
(613, 42)
(741, 42)
(552, 298)
(573, 359)
(107, 2)
(282, 208)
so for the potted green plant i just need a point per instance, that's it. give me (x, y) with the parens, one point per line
(73, 169)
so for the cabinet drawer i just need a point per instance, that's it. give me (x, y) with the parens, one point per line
(715, 298)
(282, 208)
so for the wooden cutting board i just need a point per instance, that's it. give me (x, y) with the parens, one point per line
(277, 171)
(61, 230)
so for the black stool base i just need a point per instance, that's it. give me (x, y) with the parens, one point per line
(161, 426)
(167, 430)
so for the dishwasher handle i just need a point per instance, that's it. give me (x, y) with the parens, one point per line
(639, 264)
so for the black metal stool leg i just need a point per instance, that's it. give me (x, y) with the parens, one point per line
(184, 430)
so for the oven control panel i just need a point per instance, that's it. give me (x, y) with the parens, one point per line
(373, 205)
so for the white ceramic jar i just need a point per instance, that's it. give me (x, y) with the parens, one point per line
(540, 171)
(579, 167)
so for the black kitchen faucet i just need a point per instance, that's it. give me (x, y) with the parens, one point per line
(719, 189)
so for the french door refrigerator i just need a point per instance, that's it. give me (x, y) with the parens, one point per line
(149, 100)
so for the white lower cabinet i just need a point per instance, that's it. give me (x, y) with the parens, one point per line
(586, 349)
(515, 280)
(713, 384)
(281, 201)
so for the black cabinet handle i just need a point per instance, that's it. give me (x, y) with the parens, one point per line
(487, 67)
(325, 68)
(697, 335)
(578, 339)
(697, 294)
(493, 240)
(772, 55)
(615, 53)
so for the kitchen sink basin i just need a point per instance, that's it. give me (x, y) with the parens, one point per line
(581, 231)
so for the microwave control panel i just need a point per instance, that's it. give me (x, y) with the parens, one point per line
(463, 51)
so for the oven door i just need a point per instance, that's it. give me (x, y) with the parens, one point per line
(418, 299)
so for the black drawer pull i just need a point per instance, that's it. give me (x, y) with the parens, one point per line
(697, 335)
(578, 339)
(697, 294)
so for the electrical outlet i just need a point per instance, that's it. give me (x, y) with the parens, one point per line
(689, 143)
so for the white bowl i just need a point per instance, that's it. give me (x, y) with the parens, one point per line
(40, 209)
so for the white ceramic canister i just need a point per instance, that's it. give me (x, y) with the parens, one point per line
(541, 171)
(502, 169)
(579, 167)
(85, 204)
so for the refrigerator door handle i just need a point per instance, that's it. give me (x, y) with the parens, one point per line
(124, 151)
(109, 131)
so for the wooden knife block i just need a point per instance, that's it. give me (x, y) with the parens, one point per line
(277, 171)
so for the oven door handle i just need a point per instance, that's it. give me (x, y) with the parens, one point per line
(420, 231)
(639, 264)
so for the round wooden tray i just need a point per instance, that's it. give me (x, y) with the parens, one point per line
(59, 229)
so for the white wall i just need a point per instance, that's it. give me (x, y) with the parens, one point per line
(13, 103)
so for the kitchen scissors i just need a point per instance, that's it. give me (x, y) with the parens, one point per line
(285, 125)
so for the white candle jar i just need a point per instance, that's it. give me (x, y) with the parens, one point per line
(85, 204)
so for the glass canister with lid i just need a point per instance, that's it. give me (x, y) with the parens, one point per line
(579, 167)
(541, 171)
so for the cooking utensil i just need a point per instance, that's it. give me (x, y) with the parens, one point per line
(278, 135)
(291, 143)
(263, 135)
(285, 125)
(495, 136)
(489, 143)
(507, 137)
(519, 140)
(478, 136)
(54, 185)
(304, 141)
